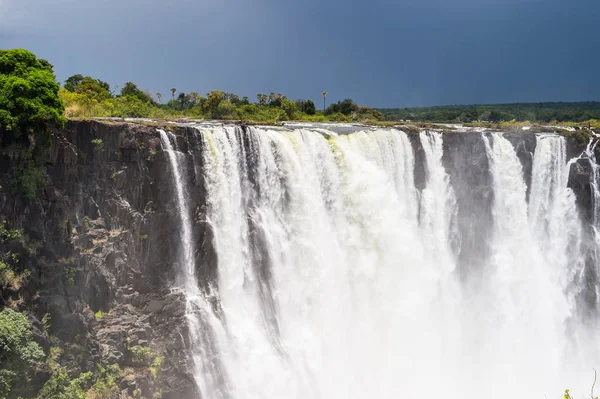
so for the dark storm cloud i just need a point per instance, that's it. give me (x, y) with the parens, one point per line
(383, 52)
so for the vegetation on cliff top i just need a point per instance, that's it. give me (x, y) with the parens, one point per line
(29, 102)
(95, 100)
(582, 113)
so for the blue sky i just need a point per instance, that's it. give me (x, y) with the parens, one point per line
(382, 53)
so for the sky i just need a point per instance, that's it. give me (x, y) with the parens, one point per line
(381, 53)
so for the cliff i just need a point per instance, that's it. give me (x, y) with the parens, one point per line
(101, 244)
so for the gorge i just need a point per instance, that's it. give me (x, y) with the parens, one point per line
(316, 260)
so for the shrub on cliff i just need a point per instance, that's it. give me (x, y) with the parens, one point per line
(18, 352)
(29, 101)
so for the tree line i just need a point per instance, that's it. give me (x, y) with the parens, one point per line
(545, 112)
(85, 96)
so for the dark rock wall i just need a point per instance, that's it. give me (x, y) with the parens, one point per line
(107, 231)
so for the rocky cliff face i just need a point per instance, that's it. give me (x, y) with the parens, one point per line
(103, 238)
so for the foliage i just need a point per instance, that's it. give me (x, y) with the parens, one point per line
(131, 90)
(106, 382)
(98, 144)
(345, 107)
(18, 352)
(534, 112)
(61, 386)
(29, 101)
(225, 110)
(306, 106)
(155, 366)
(28, 178)
(46, 321)
(9, 275)
(289, 107)
(140, 355)
(258, 113)
(211, 105)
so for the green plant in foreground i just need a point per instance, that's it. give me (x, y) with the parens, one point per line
(19, 354)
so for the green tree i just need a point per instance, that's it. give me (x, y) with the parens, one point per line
(18, 353)
(262, 98)
(345, 107)
(289, 107)
(210, 106)
(232, 98)
(29, 101)
(173, 91)
(93, 89)
(182, 99)
(131, 90)
(225, 110)
(72, 82)
(158, 97)
(306, 106)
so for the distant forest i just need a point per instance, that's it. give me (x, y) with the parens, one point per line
(534, 112)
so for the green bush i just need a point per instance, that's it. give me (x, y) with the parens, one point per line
(28, 178)
(225, 110)
(9, 275)
(141, 355)
(19, 354)
(61, 386)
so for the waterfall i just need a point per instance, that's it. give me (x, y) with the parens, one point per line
(337, 277)
(199, 314)
(438, 203)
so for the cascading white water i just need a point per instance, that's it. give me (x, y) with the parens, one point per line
(526, 306)
(337, 278)
(198, 312)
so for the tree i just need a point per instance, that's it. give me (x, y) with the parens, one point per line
(158, 97)
(93, 89)
(289, 107)
(173, 91)
(72, 82)
(324, 94)
(212, 102)
(306, 106)
(19, 353)
(131, 90)
(193, 98)
(29, 101)
(345, 107)
(232, 98)
(262, 98)
(225, 110)
(182, 100)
